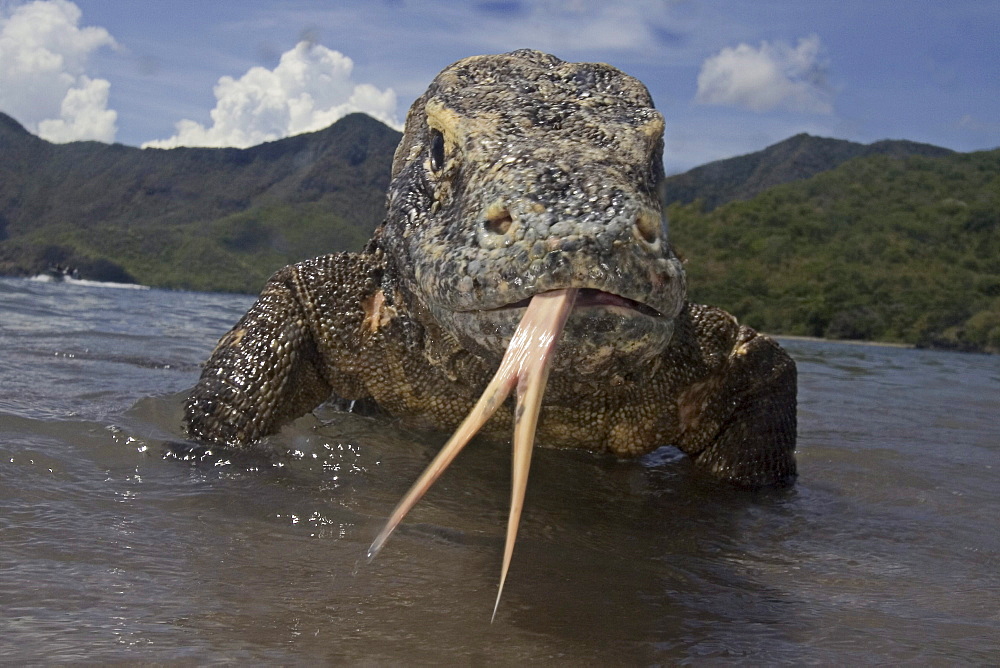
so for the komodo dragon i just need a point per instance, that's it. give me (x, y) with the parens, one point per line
(524, 189)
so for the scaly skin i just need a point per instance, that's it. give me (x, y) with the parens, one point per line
(517, 174)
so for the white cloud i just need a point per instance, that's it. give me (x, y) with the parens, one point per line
(775, 76)
(310, 88)
(83, 114)
(43, 83)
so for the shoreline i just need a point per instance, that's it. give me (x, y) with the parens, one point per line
(850, 342)
(882, 344)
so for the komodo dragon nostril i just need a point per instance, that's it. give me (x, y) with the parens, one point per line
(498, 219)
(647, 227)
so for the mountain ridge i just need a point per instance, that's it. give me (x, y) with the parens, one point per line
(54, 198)
(799, 157)
(893, 241)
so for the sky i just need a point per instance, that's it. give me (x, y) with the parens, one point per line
(730, 77)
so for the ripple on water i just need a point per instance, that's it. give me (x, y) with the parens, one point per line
(117, 549)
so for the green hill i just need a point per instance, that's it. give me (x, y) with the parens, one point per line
(878, 248)
(194, 218)
(794, 159)
(892, 241)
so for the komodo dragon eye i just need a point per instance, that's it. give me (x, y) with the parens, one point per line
(437, 150)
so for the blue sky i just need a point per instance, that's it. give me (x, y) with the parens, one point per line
(730, 77)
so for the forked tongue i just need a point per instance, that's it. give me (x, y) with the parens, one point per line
(525, 365)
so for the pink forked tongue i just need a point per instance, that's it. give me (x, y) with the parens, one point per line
(525, 365)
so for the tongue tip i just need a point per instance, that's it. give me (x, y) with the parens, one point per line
(537, 337)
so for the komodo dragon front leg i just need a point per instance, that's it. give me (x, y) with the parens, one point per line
(745, 430)
(279, 361)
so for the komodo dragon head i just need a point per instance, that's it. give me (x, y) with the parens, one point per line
(524, 213)
(520, 174)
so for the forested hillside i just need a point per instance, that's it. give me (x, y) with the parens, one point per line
(879, 248)
(193, 218)
(892, 241)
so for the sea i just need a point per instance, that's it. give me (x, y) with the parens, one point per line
(120, 544)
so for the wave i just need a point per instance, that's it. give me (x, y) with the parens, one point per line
(69, 280)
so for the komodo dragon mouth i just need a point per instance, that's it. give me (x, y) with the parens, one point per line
(605, 332)
(525, 366)
(592, 297)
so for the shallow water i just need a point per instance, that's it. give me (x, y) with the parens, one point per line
(112, 548)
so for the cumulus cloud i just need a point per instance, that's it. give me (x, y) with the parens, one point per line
(44, 55)
(310, 88)
(774, 76)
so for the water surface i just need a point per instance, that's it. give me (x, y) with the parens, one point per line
(114, 548)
